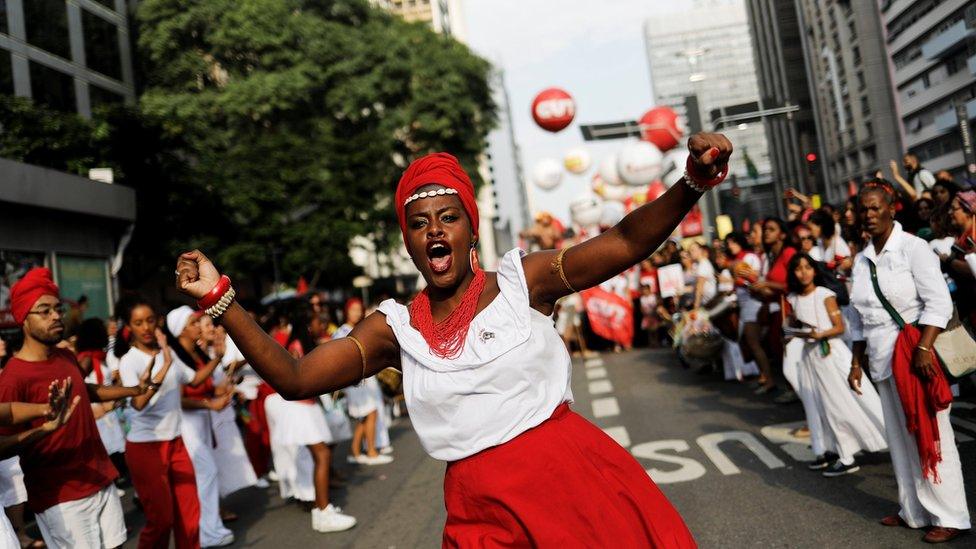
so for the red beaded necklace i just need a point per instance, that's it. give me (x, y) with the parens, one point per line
(446, 338)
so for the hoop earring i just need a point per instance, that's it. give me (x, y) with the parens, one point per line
(473, 258)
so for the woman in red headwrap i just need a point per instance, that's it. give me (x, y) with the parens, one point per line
(485, 375)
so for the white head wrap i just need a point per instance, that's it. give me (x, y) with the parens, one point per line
(178, 318)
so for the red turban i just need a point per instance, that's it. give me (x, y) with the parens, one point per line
(436, 169)
(25, 293)
(353, 301)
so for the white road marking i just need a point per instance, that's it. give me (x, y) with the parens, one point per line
(605, 407)
(593, 362)
(596, 373)
(601, 387)
(619, 434)
(782, 434)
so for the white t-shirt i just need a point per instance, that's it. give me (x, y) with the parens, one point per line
(160, 419)
(837, 247)
(705, 270)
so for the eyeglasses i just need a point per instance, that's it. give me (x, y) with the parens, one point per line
(45, 312)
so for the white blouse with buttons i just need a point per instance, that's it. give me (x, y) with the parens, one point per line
(513, 372)
(911, 280)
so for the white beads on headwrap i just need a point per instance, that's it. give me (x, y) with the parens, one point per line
(429, 194)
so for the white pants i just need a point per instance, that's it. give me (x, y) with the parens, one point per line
(12, 489)
(198, 438)
(293, 463)
(234, 469)
(94, 522)
(923, 503)
(8, 538)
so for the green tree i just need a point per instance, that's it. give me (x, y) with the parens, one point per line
(298, 117)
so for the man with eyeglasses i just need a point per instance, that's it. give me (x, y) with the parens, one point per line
(69, 476)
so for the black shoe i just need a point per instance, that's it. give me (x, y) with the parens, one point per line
(823, 461)
(786, 397)
(837, 469)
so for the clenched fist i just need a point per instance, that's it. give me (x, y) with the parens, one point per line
(195, 274)
(710, 153)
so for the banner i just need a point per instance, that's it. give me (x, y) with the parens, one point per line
(691, 225)
(611, 316)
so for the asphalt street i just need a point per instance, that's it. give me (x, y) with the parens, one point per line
(724, 457)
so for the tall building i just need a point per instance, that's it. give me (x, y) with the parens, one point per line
(932, 44)
(706, 52)
(71, 56)
(504, 163)
(444, 16)
(855, 109)
(781, 72)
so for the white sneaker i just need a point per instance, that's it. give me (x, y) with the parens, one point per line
(120, 492)
(262, 483)
(354, 459)
(272, 476)
(224, 541)
(377, 460)
(386, 450)
(331, 519)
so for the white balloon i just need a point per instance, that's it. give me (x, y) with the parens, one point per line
(612, 213)
(586, 210)
(577, 161)
(616, 193)
(608, 170)
(673, 167)
(547, 174)
(639, 163)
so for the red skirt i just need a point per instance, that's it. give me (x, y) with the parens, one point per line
(562, 484)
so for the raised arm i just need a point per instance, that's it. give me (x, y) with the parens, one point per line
(329, 367)
(630, 241)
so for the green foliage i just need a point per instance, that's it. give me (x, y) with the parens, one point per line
(298, 117)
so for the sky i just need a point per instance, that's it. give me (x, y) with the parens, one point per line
(593, 49)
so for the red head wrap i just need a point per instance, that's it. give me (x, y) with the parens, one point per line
(436, 169)
(25, 293)
(353, 301)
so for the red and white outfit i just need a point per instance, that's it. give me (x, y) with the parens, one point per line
(523, 469)
(911, 280)
(199, 436)
(73, 498)
(109, 427)
(158, 461)
(234, 469)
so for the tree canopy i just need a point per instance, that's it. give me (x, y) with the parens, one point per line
(295, 119)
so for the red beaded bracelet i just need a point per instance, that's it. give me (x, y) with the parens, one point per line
(692, 170)
(214, 295)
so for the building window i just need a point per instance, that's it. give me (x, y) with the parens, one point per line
(101, 45)
(47, 26)
(52, 88)
(100, 97)
(6, 73)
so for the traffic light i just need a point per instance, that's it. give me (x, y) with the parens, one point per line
(812, 163)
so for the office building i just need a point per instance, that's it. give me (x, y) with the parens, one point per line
(71, 56)
(444, 16)
(932, 44)
(783, 84)
(854, 103)
(706, 52)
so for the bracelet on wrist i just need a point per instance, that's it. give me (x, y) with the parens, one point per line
(702, 183)
(924, 348)
(215, 293)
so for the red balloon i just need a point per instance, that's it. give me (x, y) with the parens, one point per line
(662, 127)
(655, 190)
(553, 109)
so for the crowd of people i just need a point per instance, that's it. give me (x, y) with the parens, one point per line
(169, 407)
(803, 307)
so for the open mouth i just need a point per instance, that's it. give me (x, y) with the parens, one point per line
(439, 256)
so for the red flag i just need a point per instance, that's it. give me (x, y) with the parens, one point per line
(691, 225)
(302, 286)
(610, 316)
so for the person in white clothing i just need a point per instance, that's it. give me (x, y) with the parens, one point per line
(182, 330)
(485, 375)
(364, 401)
(299, 430)
(910, 279)
(851, 423)
(705, 284)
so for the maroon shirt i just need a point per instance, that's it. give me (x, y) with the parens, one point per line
(70, 463)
